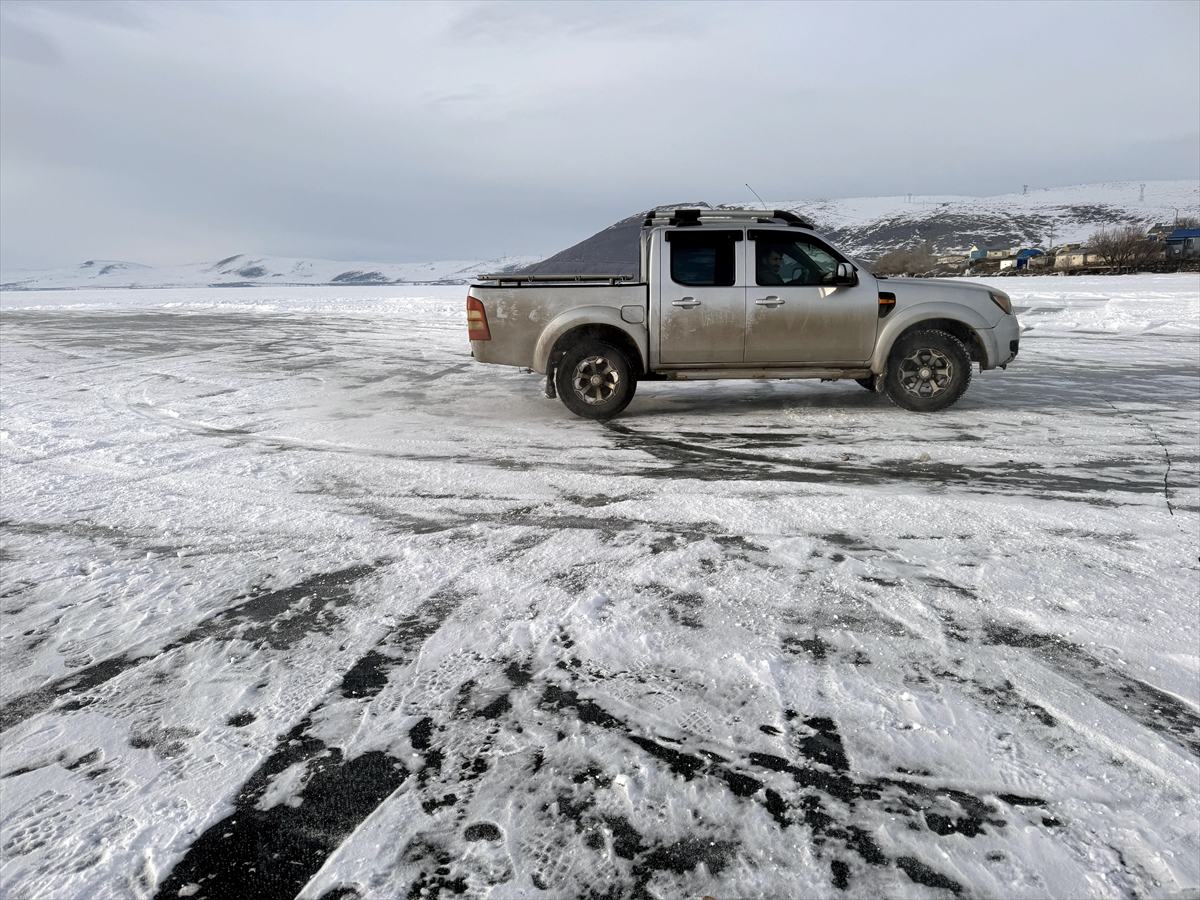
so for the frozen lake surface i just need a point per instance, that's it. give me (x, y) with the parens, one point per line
(300, 601)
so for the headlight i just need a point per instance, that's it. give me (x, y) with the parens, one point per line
(1001, 300)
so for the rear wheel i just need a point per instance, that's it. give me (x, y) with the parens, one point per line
(595, 380)
(927, 371)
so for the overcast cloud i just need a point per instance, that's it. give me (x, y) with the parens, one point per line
(168, 133)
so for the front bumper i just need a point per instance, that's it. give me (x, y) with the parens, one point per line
(1001, 343)
(1013, 346)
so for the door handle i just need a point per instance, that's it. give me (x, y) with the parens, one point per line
(686, 303)
(771, 301)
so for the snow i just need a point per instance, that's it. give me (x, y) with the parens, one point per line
(860, 225)
(296, 597)
(1041, 216)
(1158, 201)
(243, 270)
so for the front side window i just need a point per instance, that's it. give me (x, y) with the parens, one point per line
(703, 258)
(781, 258)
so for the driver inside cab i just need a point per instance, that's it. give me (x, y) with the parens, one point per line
(769, 260)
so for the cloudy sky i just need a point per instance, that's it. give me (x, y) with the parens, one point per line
(168, 133)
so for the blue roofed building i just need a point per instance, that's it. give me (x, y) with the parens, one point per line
(1184, 242)
(1026, 257)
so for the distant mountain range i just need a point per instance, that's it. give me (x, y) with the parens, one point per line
(871, 226)
(865, 227)
(243, 271)
(868, 227)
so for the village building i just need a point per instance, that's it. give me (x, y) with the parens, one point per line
(979, 252)
(1077, 259)
(1183, 242)
(1031, 257)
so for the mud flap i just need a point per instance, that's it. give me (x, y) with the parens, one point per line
(551, 393)
(879, 384)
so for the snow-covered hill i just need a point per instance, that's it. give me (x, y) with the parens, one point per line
(244, 270)
(863, 226)
(869, 226)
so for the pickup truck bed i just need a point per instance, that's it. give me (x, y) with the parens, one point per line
(527, 320)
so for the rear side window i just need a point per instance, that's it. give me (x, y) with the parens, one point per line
(703, 258)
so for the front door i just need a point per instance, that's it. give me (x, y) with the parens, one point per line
(795, 314)
(702, 297)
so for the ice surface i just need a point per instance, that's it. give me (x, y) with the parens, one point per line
(299, 600)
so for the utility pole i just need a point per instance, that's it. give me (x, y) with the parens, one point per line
(1142, 193)
(1024, 190)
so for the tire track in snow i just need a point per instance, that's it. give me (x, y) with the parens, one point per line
(1152, 708)
(269, 848)
(575, 806)
(277, 617)
(717, 463)
(1155, 709)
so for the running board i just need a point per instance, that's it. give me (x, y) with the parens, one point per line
(710, 374)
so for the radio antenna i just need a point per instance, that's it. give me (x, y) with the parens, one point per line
(755, 193)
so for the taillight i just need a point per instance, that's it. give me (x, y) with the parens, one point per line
(477, 326)
(887, 302)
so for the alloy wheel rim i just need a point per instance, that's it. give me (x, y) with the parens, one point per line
(595, 380)
(926, 372)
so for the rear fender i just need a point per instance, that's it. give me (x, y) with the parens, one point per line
(951, 317)
(598, 319)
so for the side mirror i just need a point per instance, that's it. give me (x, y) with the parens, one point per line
(846, 274)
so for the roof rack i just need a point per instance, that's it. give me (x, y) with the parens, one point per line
(517, 279)
(687, 217)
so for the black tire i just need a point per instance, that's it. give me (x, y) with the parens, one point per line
(927, 371)
(868, 383)
(595, 380)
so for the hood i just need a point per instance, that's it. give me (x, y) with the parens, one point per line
(912, 286)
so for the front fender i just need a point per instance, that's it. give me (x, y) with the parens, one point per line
(903, 319)
(579, 317)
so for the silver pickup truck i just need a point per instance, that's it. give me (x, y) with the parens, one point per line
(739, 294)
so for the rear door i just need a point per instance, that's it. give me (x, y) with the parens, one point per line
(702, 297)
(795, 315)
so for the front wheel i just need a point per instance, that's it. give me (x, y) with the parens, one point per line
(927, 371)
(595, 380)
